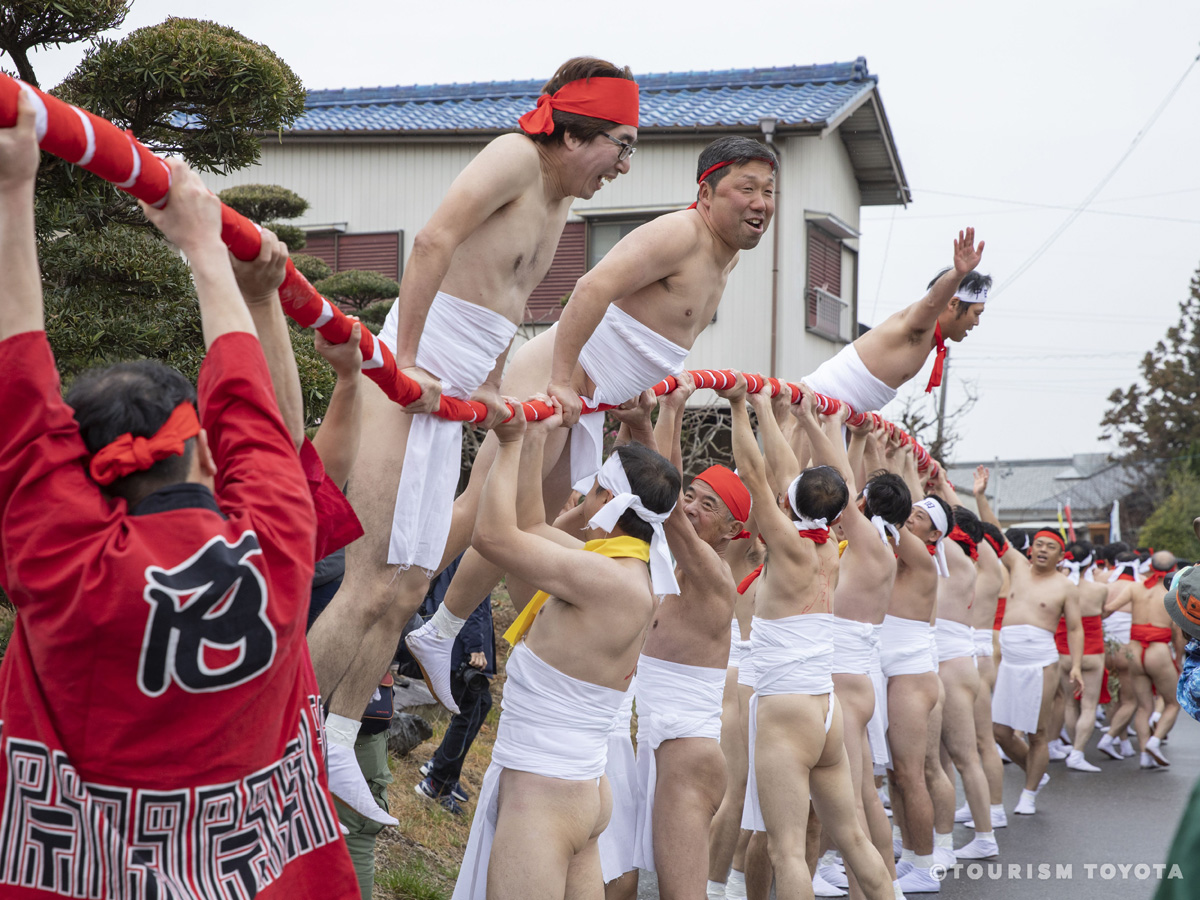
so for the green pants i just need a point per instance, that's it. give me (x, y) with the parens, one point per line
(371, 750)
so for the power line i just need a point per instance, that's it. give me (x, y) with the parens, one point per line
(883, 265)
(1037, 254)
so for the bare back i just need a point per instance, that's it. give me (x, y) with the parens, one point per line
(1147, 605)
(500, 263)
(866, 574)
(990, 576)
(791, 585)
(914, 593)
(692, 627)
(598, 636)
(1092, 597)
(956, 594)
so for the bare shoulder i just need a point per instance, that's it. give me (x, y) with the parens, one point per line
(510, 158)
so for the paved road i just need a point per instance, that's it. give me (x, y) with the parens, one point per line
(1093, 834)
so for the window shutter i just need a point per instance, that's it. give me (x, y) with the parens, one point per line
(824, 268)
(377, 251)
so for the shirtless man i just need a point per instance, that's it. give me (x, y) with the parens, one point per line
(681, 676)
(470, 273)
(631, 322)
(1080, 715)
(871, 526)
(798, 745)
(867, 373)
(912, 682)
(1123, 571)
(544, 802)
(1152, 635)
(991, 582)
(960, 677)
(1028, 673)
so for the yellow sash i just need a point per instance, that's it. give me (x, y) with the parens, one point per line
(842, 545)
(623, 547)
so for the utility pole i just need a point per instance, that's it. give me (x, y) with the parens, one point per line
(941, 418)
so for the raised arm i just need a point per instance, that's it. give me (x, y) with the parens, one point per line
(944, 489)
(668, 430)
(923, 314)
(259, 281)
(191, 221)
(636, 425)
(650, 253)
(504, 170)
(856, 453)
(21, 307)
(979, 489)
(825, 450)
(781, 464)
(337, 440)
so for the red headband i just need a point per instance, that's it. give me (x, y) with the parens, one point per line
(610, 99)
(129, 454)
(1053, 535)
(729, 162)
(729, 488)
(963, 540)
(1000, 548)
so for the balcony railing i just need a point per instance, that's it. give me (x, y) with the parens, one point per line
(828, 315)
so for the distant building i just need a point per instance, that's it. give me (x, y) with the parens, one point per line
(375, 162)
(1029, 492)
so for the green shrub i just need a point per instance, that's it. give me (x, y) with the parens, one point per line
(311, 267)
(357, 288)
(375, 314)
(292, 235)
(264, 202)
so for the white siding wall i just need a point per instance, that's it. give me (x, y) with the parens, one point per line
(390, 186)
(817, 177)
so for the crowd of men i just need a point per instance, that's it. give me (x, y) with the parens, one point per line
(826, 614)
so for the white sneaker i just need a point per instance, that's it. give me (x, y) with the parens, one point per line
(978, 848)
(963, 813)
(346, 782)
(1127, 747)
(822, 888)
(1109, 747)
(835, 875)
(1057, 753)
(919, 881)
(1027, 805)
(432, 653)
(1077, 762)
(1154, 748)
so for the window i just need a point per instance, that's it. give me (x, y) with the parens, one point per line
(603, 234)
(828, 314)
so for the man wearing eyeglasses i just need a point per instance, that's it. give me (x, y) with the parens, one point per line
(468, 278)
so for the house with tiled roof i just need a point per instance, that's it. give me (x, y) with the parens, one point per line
(1029, 493)
(374, 163)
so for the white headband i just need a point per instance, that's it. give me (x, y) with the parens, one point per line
(1073, 567)
(937, 515)
(612, 477)
(883, 527)
(802, 523)
(966, 295)
(1131, 564)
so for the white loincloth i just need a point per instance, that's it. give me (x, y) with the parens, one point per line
(793, 655)
(551, 725)
(735, 645)
(905, 647)
(622, 358)
(1025, 650)
(746, 671)
(983, 642)
(881, 753)
(673, 701)
(854, 644)
(617, 841)
(752, 819)
(459, 345)
(954, 639)
(1117, 625)
(845, 378)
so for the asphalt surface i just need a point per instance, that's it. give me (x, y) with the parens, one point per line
(1094, 836)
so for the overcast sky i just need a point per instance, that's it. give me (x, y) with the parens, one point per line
(1006, 116)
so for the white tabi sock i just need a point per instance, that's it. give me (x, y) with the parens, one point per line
(997, 808)
(716, 890)
(909, 855)
(896, 833)
(923, 862)
(341, 730)
(943, 840)
(985, 835)
(735, 885)
(447, 624)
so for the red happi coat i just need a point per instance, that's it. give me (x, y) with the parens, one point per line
(159, 721)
